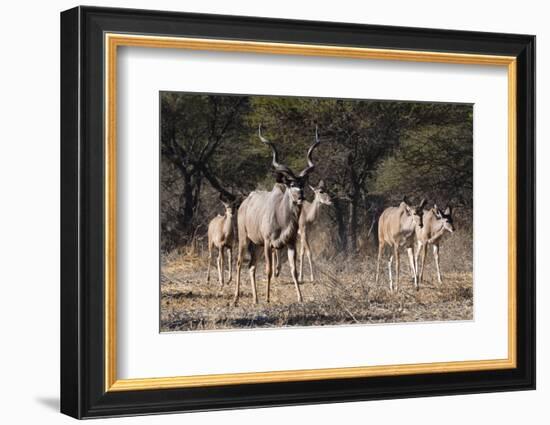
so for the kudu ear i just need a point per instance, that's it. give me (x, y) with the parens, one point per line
(448, 210)
(321, 184)
(422, 203)
(286, 180)
(238, 201)
(279, 177)
(227, 199)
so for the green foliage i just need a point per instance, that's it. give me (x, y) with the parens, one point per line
(432, 161)
(371, 154)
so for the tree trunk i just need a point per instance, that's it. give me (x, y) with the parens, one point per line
(186, 207)
(197, 186)
(342, 234)
(352, 223)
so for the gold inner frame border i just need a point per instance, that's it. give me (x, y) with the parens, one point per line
(111, 43)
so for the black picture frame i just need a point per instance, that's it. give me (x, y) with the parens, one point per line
(83, 392)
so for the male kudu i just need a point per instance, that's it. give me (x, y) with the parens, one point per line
(271, 219)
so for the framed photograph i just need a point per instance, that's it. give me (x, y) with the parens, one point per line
(261, 212)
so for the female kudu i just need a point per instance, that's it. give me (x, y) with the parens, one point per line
(396, 228)
(221, 236)
(309, 214)
(436, 222)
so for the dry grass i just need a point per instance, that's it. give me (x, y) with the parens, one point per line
(344, 292)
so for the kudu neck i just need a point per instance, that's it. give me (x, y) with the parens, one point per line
(293, 207)
(437, 225)
(407, 223)
(287, 214)
(228, 223)
(312, 209)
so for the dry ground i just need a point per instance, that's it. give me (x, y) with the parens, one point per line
(344, 292)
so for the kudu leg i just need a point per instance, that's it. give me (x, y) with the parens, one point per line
(397, 268)
(230, 264)
(389, 271)
(292, 261)
(436, 259)
(308, 253)
(252, 272)
(301, 259)
(380, 250)
(422, 247)
(412, 266)
(209, 263)
(416, 253)
(240, 256)
(275, 265)
(268, 264)
(220, 267)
